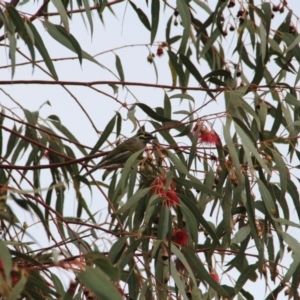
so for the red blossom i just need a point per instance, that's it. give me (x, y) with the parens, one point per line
(180, 237)
(214, 276)
(158, 185)
(171, 198)
(159, 51)
(209, 137)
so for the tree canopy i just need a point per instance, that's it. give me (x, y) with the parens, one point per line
(209, 209)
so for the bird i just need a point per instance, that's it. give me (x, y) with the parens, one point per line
(122, 152)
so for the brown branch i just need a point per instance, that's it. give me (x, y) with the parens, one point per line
(131, 83)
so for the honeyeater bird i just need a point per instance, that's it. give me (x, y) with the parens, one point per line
(122, 152)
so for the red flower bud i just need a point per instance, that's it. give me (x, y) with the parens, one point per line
(180, 237)
(160, 51)
(214, 276)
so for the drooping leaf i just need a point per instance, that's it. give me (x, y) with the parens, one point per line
(155, 11)
(62, 12)
(142, 16)
(98, 282)
(120, 68)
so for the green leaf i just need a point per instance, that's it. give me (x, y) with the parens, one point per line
(266, 19)
(183, 96)
(293, 191)
(137, 196)
(103, 263)
(183, 260)
(65, 131)
(99, 283)
(62, 12)
(12, 51)
(117, 249)
(178, 281)
(76, 46)
(191, 223)
(155, 18)
(142, 16)
(241, 235)
(129, 166)
(248, 145)
(201, 273)
(61, 36)
(177, 67)
(88, 13)
(59, 288)
(245, 276)
(232, 151)
(181, 167)
(29, 31)
(263, 37)
(18, 288)
(164, 223)
(289, 40)
(167, 107)
(199, 217)
(293, 44)
(39, 44)
(184, 41)
(267, 198)
(287, 222)
(185, 16)
(293, 243)
(119, 68)
(282, 169)
(204, 6)
(292, 100)
(209, 43)
(130, 251)
(20, 27)
(5, 259)
(194, 71)
(12, 142)
(105, 134)
(151, 113)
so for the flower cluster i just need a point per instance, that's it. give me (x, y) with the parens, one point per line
(180, 237)
(171, 199)
(160, 48)
(207, 136)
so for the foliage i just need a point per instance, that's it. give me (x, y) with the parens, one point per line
(214, 204)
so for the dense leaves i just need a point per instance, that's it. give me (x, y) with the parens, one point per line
(208, 209)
